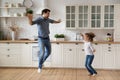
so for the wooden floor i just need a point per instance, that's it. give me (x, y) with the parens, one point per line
(56, 74)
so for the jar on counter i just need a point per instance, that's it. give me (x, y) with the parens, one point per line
(109, 37)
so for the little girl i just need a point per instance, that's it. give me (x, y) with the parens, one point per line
(89, 51)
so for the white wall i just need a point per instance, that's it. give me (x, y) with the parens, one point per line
(58, 12)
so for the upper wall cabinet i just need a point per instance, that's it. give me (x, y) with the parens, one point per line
(90, 16)
(83, 16)
(109, 16)
(95, 16)
(70, 17)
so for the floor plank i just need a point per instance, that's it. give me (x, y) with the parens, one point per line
(56, 74)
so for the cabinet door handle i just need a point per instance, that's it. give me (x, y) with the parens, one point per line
(76, 43)
(82, 49)
(109, 50)
(8, 49)
(57, 43)
(8, 55)
(96, 43)
(70, 49)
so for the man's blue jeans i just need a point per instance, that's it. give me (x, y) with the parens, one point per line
(88, 63)
(45, 50)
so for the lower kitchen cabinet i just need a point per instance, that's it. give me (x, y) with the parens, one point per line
(9, 60)
(15, 55)
(57, 55)
(66, 55)
(98, 58)
(10, 55)
(117, 57)
(69, 55)
(80, 56)
(25, 55)
(108, 54)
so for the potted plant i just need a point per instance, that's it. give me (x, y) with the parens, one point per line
(59, 37)
(29, 11)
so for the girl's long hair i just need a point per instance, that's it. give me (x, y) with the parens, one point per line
(90, 36)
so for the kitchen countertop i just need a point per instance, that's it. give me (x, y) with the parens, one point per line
(32, 41)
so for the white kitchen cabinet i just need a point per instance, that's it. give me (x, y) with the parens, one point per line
(15, 54)
(25, 55)
(96, 16)
(109, 13)
(70, 17)
(83, 16)
(108, 54)
(66, 55)
(57, 55)
(69, 55)
(10, 54)
(100, 16)
(98, 57)
(117, 57)
(8, 60)
(80, 56)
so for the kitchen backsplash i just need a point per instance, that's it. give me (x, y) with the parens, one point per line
(27, 31)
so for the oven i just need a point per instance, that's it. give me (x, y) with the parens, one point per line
(36, 52)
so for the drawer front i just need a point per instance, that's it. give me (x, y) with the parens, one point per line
(8, 60)
(10, 50)
(69, 49)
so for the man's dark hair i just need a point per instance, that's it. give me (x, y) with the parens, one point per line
(45, 11)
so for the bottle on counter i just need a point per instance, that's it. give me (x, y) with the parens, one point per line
(78, 37)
